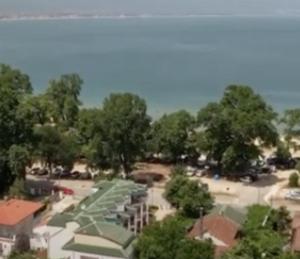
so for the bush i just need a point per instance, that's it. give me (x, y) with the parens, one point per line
(294, 180)
(178, 170)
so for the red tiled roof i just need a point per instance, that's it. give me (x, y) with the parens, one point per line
(220, 228)
(14, 211)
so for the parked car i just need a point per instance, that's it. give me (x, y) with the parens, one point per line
(43, 171)
(281, 163)
(293, 195)
(34, 171)
(75, 175)
(65, 174)
(65, 190)
(85, 176)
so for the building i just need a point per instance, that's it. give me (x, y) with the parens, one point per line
(16, 217)
(295, 242)
(221, 226)
(101, 226)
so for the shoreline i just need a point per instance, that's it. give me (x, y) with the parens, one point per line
(89, 16)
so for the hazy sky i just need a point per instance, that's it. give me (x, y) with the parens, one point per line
(151, 6)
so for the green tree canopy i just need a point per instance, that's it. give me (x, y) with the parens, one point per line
(171, 133)
(167, 239)
(260, 217)
(232, 125)
(189, 196)
(63, 97)
(261, 244)
(291, 120)
(124, 124)
(56, 148)
(15, 130)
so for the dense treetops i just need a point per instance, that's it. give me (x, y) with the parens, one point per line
(54, 128)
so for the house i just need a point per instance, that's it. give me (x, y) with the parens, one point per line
(16, 217)
(295, 242)
(221, 226)
(101, 226)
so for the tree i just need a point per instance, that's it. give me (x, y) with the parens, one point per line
(189, 196)
(194, 249)
(260, 217)
(260, 244)
(55, 148)
(178, 170)
(19, 158)
(294, 180)
(88, 124)
(63, 97)
(167, 239)
(36, 109)
(291, 120)
(283, 151)
(124, 125)
(170, 134)
(231, 127)
(15, 130)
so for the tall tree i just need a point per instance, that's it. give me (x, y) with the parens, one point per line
(56, 148)
(124, 124)
(231, 127)
(63, 96)
(170, 134)
(15, 130)
(291, 121)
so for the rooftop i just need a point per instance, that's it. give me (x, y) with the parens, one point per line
(14, 211)
(98, 214)
(98, 250)
(236, 214)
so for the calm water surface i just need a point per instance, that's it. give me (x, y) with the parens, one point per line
(172, 62)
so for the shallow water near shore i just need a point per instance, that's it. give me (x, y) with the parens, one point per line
(173, 62)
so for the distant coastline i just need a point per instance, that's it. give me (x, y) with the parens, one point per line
(77, 16)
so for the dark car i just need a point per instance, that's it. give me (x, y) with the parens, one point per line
(43, 171)
(65, 174)
(35, 170)
(85, 176)
(75, 175)
(282, 163)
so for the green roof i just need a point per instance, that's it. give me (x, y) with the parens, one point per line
(98, 250)
(236, 214)
(109, 231)
(97, 214)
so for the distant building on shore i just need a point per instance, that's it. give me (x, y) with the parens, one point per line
(102, 226)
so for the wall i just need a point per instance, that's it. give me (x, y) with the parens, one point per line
(58, 237)
(25, 226)
(6, 245)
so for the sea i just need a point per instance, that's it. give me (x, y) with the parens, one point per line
(173, 62)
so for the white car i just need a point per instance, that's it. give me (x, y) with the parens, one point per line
(293, 195)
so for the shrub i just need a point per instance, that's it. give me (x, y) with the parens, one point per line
(294, 180)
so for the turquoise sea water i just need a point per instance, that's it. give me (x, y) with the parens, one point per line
(173, 62)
